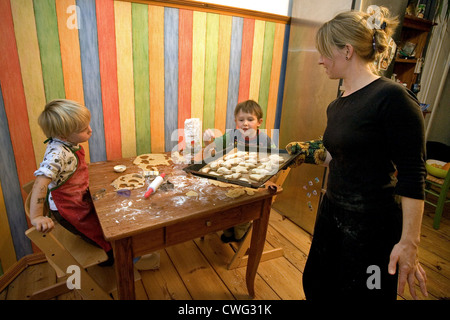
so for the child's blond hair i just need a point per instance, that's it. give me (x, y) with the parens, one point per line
(62, 117)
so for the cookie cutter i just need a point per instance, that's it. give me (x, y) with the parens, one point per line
(124, 192)
(99, 194)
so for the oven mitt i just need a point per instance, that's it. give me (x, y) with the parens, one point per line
(312, 152)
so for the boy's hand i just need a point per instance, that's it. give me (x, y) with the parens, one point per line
(208, 135)
(43, 224)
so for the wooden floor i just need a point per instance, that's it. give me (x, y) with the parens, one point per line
(197, 269)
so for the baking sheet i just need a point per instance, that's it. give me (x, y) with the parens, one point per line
(196, 167)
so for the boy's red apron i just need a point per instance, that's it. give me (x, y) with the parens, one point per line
(74, 203)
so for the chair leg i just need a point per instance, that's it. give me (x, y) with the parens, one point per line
(441, 202)
(439, 210)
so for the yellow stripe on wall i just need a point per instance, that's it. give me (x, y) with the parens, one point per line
(198, 64)
(124, 45)
(257, 55)
(30, 65)
(156, 60)
(211, 52)
(275, 77)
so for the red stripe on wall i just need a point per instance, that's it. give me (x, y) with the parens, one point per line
(246, 59)
(108, 77)
(184, 68)
(14, 98)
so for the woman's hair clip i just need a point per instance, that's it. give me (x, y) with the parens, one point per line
(383, 25)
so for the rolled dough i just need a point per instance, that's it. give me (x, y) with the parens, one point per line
(192, 194)
(149, 161)
(129, 181)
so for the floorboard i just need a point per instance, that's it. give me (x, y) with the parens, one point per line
(197, 270)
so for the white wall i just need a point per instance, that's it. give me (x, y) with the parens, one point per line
(280, 7)
(435, 83)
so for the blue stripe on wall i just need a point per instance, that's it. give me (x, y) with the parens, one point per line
(11, 189)
(235, 69)
(170, 78)
(91, 78)
(276, 125)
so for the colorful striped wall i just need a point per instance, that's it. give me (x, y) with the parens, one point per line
(141, 69)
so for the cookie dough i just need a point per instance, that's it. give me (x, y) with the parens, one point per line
(129, 181)
(222, 184)
(234, 193)
(245, 165)
(149, 161)
(257, 177)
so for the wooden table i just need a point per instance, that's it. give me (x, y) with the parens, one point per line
(136, 226)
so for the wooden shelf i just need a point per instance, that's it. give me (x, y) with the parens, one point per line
(405, 60)
(417, 23)
(414, 30)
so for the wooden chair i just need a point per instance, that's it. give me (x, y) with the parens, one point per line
(442, 198)
(240, 257)
(63, 249)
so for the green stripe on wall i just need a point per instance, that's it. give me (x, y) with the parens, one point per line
(264, 85)
(47, 31)
(139, 14)
(212, 43)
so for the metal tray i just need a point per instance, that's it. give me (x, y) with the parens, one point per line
(196, 167)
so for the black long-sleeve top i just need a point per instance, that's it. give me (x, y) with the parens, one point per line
(371, 133)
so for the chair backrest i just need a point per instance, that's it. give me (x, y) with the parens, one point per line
(60, 257)
(85, 253)
(64, 249)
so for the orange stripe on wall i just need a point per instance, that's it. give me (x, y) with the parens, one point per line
(70, 50)
(108, 77)
(246, 58)
(70, 54)
(156, 74)
(14, 98)
(184, 69)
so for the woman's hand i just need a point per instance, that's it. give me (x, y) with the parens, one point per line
(404, 255)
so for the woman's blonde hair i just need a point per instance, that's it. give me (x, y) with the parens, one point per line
(368, 33)
(61, 118)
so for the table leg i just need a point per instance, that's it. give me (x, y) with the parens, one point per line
(257, 245)
(123, 255)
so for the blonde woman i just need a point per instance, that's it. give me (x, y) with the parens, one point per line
(365, 242)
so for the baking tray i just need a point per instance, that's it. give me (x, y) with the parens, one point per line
(196, 167)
